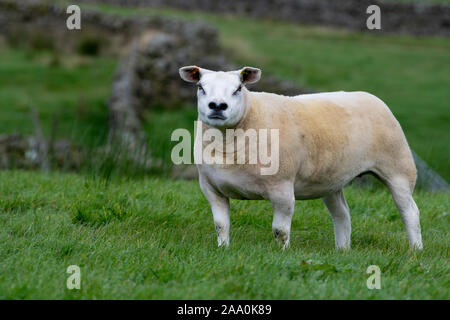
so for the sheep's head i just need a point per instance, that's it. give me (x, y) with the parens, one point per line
(221, 96)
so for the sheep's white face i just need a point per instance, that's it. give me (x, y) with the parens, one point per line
(220, 95)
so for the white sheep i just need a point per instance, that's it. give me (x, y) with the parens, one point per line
(325, 141)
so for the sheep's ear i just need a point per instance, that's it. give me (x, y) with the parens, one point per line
(190, 73)
(250, 75)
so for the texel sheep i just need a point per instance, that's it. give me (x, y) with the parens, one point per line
(325, 141)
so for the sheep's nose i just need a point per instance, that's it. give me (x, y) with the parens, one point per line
(215, 106)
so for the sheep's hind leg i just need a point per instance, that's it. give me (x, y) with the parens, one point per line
(402, 195)
(336, 204)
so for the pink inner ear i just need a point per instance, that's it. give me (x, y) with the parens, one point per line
(247, 75)
(195, 74)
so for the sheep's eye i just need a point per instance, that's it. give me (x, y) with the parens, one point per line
(238, 90)
(200, 88)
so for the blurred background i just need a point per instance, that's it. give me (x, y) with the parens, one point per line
(105, 99)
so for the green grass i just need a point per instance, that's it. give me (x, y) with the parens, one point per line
(411, 74)
(68, 90)
(159, 125)
(154, 238)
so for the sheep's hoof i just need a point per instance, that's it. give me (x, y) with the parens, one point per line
(282, 238)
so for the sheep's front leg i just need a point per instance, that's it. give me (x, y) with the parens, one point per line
(283, 201)
(220, 207)
(221, 212)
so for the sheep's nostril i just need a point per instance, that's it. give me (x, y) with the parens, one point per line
(223, 106)
(214, 106)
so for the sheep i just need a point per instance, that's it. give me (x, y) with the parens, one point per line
(325, 141)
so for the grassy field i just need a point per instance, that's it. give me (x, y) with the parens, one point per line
(154, 238)
(72, 91)
(69, 90)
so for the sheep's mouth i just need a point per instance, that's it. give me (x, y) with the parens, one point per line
(217, 117)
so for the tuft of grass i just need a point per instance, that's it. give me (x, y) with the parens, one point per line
(100, 208)
(154, 238)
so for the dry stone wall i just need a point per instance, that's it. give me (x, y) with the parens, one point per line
(419, 18)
